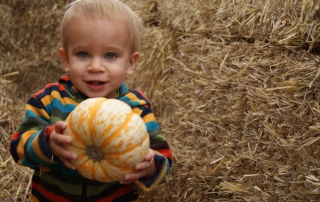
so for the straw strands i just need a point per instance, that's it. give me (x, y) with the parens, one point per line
(234, 86)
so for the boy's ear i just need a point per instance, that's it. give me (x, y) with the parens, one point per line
(132, 63)
(65, 59)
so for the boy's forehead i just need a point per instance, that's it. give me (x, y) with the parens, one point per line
(99, 17)
(119, 15)
(87, 25)
(100, 20)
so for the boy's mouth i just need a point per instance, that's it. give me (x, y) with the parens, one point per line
(96, 83)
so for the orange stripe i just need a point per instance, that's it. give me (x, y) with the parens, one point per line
(137, 110)
(48, 194)
(65, 100)
(33, 199)
(20, 149)
(142, 94)
(148, 118)
(37, 111)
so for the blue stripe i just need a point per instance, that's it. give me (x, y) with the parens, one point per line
(42, 141)
(125, 98)
(48, 108)
(27, 163)
(30, 113)
(63, 108)
(31, 152)
(152, 125)
(168, 166)
(123, 89)
(131, 103)
(13, 147)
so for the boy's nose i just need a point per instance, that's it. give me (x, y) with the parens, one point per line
(95, 65)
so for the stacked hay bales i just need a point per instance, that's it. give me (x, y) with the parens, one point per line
(234, 86)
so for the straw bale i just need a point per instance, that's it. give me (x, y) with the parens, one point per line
(14, 179)
(234, 85)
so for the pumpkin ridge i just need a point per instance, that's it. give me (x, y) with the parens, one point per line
(104, 172)
(75, 135)
(97, 105)
(108, 140)
(84, 163)
(132, 148)
(122, 165)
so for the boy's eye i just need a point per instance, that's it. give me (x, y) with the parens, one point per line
(83, 54)
(110, 56)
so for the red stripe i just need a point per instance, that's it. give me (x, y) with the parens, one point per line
(142, 94)
(49, 129)
(62, 88)
(48, 194)
(121, 192)
(15, 135)
(38, 93)
(165, 152)
(65, 77)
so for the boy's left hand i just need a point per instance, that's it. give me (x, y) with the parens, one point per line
(146, 169)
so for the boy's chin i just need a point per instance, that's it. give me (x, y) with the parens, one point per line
(95, 95)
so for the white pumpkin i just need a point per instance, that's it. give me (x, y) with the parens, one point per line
(108, 137)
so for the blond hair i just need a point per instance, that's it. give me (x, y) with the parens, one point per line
(113, 10)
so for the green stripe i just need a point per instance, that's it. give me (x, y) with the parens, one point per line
(95, 187)
(32, 123)
(157, 138)
(70, 185)
(73, 184)
(57, 115)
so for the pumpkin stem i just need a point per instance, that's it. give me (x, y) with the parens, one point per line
(94, 153)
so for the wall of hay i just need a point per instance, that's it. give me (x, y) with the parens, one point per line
(234, 85)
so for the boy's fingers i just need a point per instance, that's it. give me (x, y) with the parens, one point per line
(150, 162)
(60, 126)
(149, 155)
(68, 164)
(61, 139)
(133, 176)
(144, 165)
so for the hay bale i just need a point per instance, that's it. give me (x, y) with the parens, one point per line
(234, 86)
(14, 179)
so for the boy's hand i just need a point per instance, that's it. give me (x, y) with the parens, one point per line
(56, 141)
(146, 169)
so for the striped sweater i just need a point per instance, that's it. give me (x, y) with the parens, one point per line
(52, 181)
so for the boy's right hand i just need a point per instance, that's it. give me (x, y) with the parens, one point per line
(56, 142)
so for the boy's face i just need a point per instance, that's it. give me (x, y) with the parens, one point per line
(99, 56)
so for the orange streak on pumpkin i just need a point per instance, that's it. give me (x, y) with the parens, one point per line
(93, 170)
(106, 176)
(112, 136)
(81, 156)
(132, 148)
(74, 134)
(84, 162)
(123, 166)
(94, 108)
(118, 154)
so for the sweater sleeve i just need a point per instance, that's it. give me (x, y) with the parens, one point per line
(28, 145)
(163, 154)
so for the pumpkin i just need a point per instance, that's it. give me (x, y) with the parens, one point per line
(108, 137)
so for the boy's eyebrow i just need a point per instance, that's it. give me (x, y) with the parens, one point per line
(109, 48)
